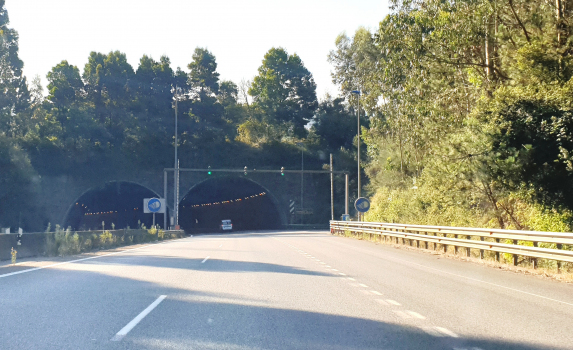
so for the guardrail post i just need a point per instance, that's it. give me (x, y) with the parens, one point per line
(559, 263)
(468, 250)
(426, 242)
(481, 250)
(456, 247)
(497, 255)
(515, 256)
(534, 260)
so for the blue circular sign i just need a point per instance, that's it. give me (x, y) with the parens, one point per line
(154, 205)
(362, 204)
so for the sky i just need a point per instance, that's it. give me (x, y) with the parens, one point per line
(238, 33)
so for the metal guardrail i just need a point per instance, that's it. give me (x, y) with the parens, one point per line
(469, 238)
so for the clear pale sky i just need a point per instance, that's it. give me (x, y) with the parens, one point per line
(238, 33)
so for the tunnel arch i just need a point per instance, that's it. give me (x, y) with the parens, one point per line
(246, 202)
(117, 202)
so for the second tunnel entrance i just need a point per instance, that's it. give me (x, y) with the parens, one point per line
(249, 205)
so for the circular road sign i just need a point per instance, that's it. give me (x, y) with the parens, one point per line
(154, 205)
(362, 204)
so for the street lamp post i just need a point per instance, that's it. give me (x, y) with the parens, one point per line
(176, 172)
(357, 92)
(301, 179)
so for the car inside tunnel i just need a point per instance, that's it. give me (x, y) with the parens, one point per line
(247, 204)
(117, 204)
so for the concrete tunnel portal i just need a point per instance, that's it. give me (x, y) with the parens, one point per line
(117, 202)
(247, 204)
(120, 203)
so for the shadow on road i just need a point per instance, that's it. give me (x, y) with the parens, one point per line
(214, 265)
(75, 309)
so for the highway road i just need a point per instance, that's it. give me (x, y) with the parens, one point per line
(279, 290)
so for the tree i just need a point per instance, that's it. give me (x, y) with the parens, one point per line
(206, 111)
(14, 95)
(335, 124)
(64, 84)
(285, 91)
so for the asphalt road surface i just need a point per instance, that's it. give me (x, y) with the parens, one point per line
(280, 290)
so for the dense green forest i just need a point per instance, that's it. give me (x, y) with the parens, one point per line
(466, 111)
(470, 105)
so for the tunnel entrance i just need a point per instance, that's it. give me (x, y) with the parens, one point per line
(246, 203)
(119, 203)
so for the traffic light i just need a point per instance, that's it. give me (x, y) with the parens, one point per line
(245, 170)
(209, 170)
(282, 171)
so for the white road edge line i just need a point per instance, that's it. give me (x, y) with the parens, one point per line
(481, 281)
(207, 258)
(70, 262)
(128, 327)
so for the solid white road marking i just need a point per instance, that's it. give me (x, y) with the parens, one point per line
(393, 302)
(481, 281)
(71, 261)
(123, 332)
(207, 258)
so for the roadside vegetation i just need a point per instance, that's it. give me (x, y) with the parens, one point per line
(470, 112)
(63, 242)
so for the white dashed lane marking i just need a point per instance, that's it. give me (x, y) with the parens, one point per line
(407, 314)
(439, 332)
(207, 258)
(123, 332)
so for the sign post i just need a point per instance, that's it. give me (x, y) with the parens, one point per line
(362, 205)
(154, 205)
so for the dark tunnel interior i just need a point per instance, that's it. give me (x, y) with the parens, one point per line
(118, 203)
(248, 205)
